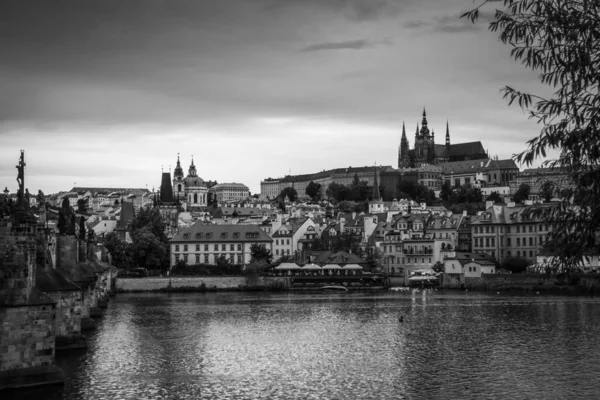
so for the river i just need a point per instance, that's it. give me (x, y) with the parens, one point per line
(449, 345)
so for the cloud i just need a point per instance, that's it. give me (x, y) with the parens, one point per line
(351, 44)
(444, 24)
(353, 10)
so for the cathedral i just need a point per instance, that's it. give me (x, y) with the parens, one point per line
(427, 152)
(191, 191)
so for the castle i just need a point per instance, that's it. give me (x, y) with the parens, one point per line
(426, 151)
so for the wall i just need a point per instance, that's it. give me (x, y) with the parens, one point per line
(212, 282)
(26, 337)
(66, 253)
(18, 254)
(68, 312)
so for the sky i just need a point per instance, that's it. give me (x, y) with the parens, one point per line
(107, 93)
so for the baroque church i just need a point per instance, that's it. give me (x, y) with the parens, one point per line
(191, 190)
(426, 151)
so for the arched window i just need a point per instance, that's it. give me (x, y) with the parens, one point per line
(179, 188)
(195, 198)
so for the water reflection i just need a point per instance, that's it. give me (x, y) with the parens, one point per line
(334, 346)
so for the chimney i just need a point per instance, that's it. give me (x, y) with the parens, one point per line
(342, 222)
(464, 213)
(353, 214)
(488, 204)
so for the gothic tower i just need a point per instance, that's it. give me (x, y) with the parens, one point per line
(403, 157)
(424, 144)
(447, 142)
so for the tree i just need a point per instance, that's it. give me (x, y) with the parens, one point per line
(495, 197)
(522, 193)
(147, 250)
(446, 191)
(559, 39)
(81, 206)
(81, 228)
(337, 191)
(290, 193)
(547, 190)
(150, 217)
(260, 253)
(120, 251)
(516, 265)
(313, 190)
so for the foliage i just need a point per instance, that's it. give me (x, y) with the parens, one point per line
(81, 228)
(81, 206)
(495, 197)
(150, 217)
(465, 194)
(446, 191)
(337, 191)
(415, 191)
(313, 190)
(290, 193)
(120, 251)
(181, 268)
(522, 193)
(515, 264)
(348, 242)
(559, 39)
(438, 267)
(547, 190)
(147, 250)
(470, 208)
(260, 253)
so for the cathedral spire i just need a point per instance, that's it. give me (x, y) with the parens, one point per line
(192, 170)
(447, 134)
(424, 129)
(403, 157)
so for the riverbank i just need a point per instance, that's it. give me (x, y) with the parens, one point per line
(201, 284)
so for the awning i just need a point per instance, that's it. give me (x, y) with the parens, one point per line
(287, 266)
(352, 266)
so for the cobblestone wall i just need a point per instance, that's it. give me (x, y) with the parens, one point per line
(17, 261)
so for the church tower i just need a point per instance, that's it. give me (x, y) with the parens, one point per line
(196, 192)
(403, 156)
(424, 144)
(178, 183)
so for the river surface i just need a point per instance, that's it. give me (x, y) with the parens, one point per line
(450, 345)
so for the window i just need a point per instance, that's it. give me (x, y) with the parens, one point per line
(206, 259)
(530, 241)
(493, 241)
(288, 251)
(530, 228)
(530, 253)
(518, 253)
(487, 241)
(276, 252)
(176, 247)
(508, 241)
(223, 247)
(518, 228)
(205, 247)
(197, 247)
(176, 257)
(197, 258)
(239, 259)
(508, 253)
(487, 229)
(239, 247)
(277, 242)
(216, 248)
(288, 241)
(231, 247)
(493, 229)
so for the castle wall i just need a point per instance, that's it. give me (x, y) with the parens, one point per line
(17, 262)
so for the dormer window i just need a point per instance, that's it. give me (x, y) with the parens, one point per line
(186, 235)
(199, 235)
(223, 235)
(209, 235)
(236, 235)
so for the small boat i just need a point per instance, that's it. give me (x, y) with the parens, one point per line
(335, 288)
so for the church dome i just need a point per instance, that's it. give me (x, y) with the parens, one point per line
(193, 181)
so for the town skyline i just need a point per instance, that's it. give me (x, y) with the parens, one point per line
(105, 94)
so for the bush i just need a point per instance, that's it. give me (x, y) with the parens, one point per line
(206, 270)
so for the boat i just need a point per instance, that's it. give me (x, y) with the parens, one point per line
(335, 288)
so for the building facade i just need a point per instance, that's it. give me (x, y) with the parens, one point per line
(205, 244)
(227, 192)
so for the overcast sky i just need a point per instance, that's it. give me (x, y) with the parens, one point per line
(106, 92)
